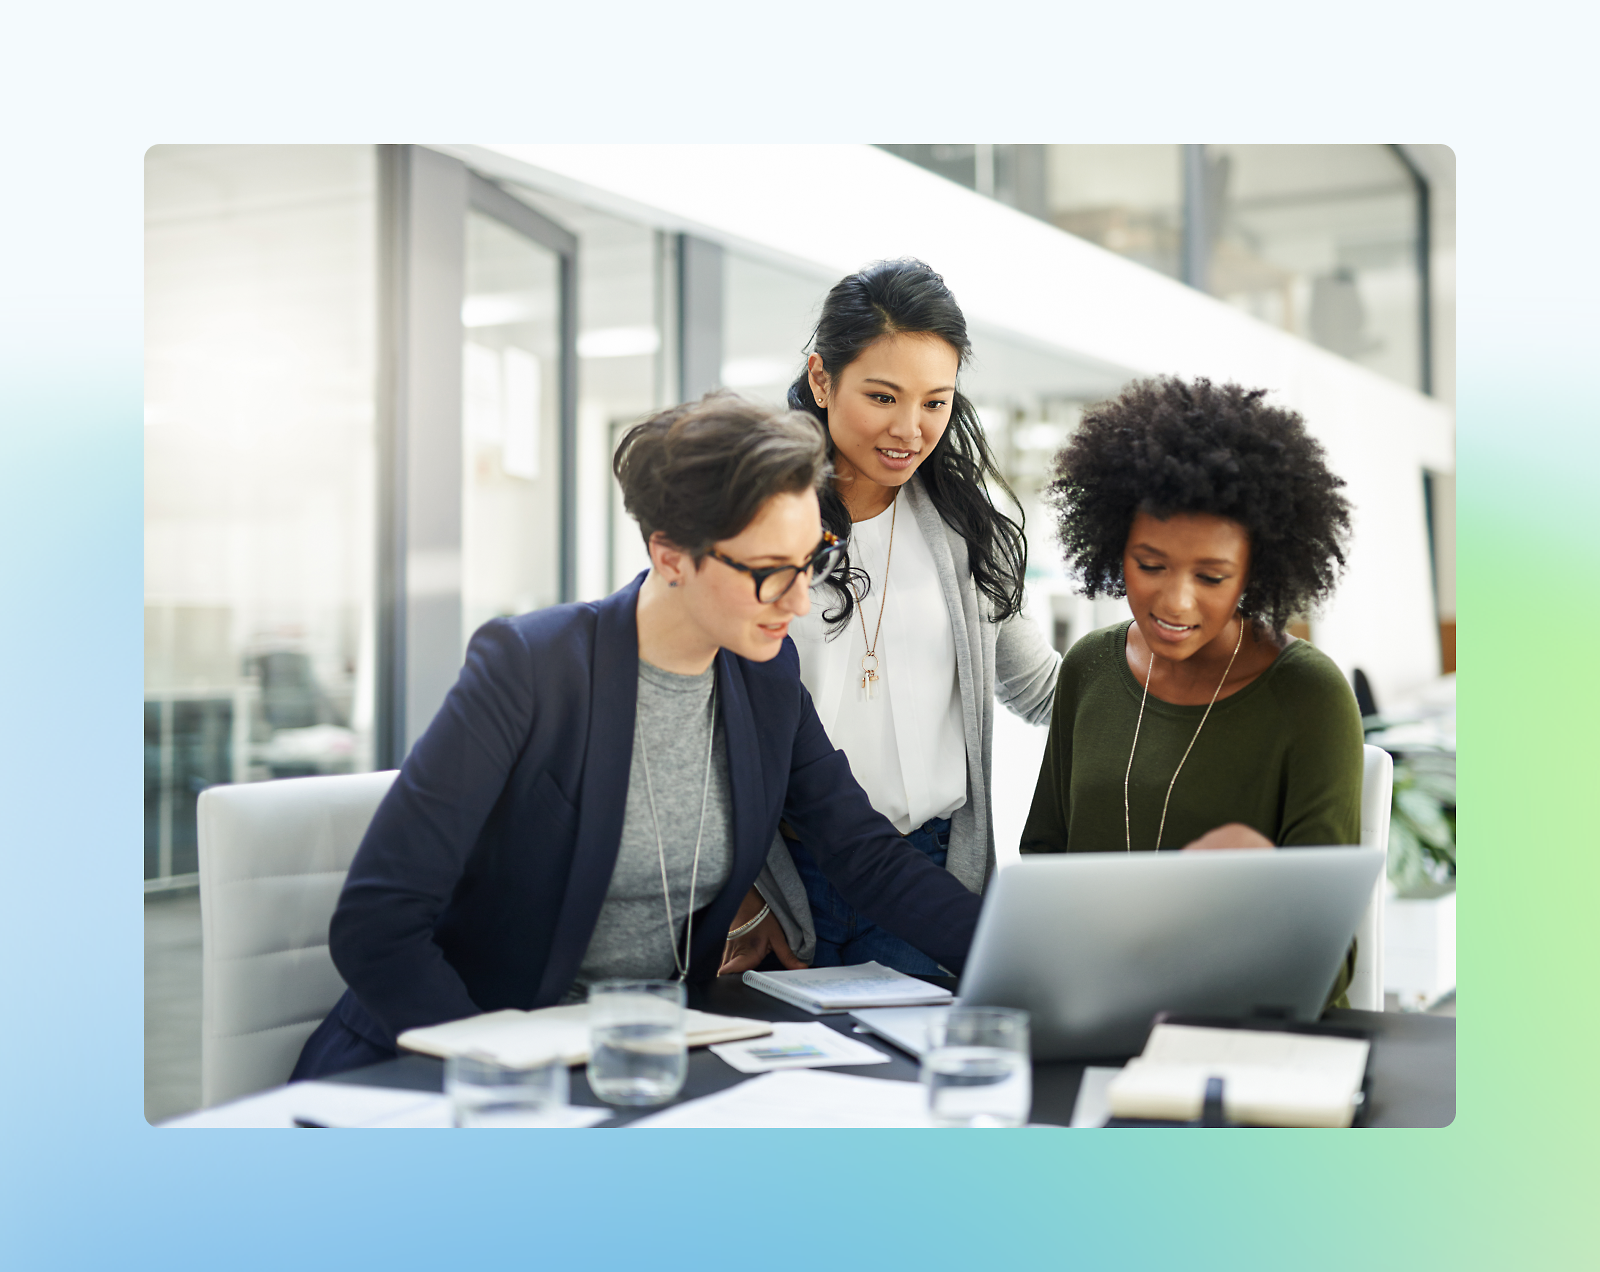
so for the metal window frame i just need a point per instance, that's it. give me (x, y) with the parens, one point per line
(699, 315)
(1195, 250)
(1424, 193)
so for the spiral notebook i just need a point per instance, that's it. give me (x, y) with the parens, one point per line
(829, 989)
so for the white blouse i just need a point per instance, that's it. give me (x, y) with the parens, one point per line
(906, 745)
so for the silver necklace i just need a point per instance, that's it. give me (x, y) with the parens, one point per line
(682, 964)
(1127, 827)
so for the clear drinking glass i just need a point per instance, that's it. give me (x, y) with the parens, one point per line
(486, 1092)
(637, 1050)
(976, 1067)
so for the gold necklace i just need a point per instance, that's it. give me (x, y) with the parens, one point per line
(1127, 826)
(869, 675)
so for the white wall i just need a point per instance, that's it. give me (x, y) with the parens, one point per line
(1094, 309)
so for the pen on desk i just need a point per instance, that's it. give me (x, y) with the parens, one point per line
(320, 1126)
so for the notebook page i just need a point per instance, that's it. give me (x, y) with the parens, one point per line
(1269, 1078)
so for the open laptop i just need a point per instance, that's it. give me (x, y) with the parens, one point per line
(1093, 945)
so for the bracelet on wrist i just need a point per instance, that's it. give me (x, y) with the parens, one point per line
(750, 926)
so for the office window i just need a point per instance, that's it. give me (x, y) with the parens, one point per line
(1128, 199)
(1321, 241)
(259, 474)
(768, 315)
(626, 352)
(1013, 174)
(510, 378)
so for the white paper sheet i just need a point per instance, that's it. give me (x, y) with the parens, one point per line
(330, 1103)
(440, 1115)
(344, 1105)
(807, 1046)
(1093, 1107)
(802, 1098)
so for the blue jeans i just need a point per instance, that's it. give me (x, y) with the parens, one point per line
(843, 936)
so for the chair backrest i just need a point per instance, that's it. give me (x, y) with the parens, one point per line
(1377, 791)
(273, 857)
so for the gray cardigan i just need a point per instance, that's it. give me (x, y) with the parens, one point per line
(1009, 660)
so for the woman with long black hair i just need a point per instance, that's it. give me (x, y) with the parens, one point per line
(923, 630)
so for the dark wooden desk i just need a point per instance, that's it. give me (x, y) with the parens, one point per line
(1413, 1063)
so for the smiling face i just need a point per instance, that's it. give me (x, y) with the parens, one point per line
(1184, 577)
(720, 601)
(886, 411)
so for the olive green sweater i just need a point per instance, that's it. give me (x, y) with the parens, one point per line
(1282, 755)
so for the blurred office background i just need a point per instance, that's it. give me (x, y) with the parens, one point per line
(383, 384)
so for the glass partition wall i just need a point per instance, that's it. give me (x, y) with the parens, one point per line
(358, 447)
(627, 349)
(260, 360)
(510, 412)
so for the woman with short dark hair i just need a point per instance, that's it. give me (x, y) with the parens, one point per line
(602, 785)
(1201, 723)
(923, 631)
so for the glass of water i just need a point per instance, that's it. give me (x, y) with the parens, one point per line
(637, 1050)
(976, 1067)
(486, 1093)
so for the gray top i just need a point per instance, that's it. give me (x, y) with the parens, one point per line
(1009, 661)
(672, 728)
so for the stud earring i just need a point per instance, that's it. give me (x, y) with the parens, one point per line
(672, 582)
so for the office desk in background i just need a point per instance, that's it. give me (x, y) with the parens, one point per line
(1413, 1079)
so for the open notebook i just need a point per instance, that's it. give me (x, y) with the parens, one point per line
(526, 1037)
(1269, 1078)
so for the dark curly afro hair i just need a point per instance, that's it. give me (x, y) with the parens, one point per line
(1167, 446)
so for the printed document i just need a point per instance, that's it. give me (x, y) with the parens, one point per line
(797, 1046)
(803, 1098)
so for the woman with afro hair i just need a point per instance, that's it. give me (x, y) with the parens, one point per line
(1201, 723)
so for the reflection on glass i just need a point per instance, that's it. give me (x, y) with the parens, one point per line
(1128, 199)
(768, 315)
(627, 349)
(259, 473)
(1321, 241)
(510, 416)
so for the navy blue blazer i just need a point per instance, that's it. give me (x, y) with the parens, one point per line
(479, 882)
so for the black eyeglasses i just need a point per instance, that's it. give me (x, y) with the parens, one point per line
(773, 583)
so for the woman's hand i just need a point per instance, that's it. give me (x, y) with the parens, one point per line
(1233, 835)
(746, 952)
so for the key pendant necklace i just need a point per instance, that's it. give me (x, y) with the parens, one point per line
(869, 660)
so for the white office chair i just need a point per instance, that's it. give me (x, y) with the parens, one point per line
(273, 856)
(1377, 789)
